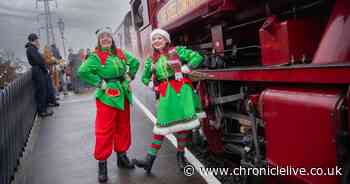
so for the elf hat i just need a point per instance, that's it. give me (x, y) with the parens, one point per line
(161, 32)
(104, 30)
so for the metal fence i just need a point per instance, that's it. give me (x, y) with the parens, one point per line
(17, 113)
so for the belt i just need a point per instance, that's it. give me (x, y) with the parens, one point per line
(167, 79)
(114, 79)
(172, 78)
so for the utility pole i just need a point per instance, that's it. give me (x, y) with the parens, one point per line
(60, 24)
(50, 37)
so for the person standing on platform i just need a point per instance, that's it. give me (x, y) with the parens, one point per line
(176, 111)
(74, 63)
(40, 75)
(52, 83)
(111, 70)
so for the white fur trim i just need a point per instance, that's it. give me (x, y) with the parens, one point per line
(161, 32)
(104, 30)
(176, 128)
(201, 115)
(185, 69)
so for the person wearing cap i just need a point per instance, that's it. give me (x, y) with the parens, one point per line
(39, 74)
(110, 69)
(176, 111)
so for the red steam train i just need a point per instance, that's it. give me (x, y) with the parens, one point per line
(276, 89)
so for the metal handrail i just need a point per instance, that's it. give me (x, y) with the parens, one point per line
(17, 113)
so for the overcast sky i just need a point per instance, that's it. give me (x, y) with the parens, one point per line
(82, 18)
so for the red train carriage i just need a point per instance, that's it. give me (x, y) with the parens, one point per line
(277, 78)
(125, 35)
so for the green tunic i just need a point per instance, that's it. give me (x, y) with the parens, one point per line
(174, 107)
(93, 72)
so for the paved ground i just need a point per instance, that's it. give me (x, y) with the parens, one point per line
(63, 150)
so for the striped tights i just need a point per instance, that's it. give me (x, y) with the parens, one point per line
(182, 138)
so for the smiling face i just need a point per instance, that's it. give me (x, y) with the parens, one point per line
(105, 40)
(159, 42)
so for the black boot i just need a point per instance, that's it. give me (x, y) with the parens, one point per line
(102, 171)
(45, 114)
(146, 164)
(124, 162)
(53, 104)
(181, 161)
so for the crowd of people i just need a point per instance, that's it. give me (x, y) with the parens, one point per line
(41, 76)
(52, 75)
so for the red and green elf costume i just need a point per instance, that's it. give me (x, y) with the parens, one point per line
(176, 112)
(112, 125)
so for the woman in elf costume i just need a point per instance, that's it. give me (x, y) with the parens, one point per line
(176, 112)
(110, 70)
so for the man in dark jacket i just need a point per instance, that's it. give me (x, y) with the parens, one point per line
(39, 74)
